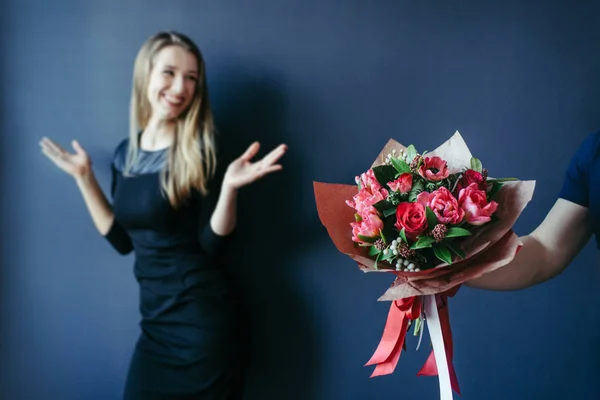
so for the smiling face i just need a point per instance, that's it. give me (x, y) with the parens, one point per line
(172, 83)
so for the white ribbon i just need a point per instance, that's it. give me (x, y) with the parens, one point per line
(437, 340)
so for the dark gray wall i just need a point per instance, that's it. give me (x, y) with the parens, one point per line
(335, 80)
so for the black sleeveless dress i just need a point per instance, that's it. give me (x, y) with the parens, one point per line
(186, 346)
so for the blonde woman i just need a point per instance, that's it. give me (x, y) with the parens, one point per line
(160, 177)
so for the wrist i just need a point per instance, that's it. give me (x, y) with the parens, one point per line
(85, 177)
(228, 189)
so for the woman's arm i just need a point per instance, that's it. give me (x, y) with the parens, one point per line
(241, 172)
(79, 166)
(224, 217)
(96, 202)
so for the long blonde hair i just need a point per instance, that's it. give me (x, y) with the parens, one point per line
(192, 157)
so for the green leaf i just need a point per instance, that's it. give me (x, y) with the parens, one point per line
(476, 164)
(431, 218)
(443, 254)
(396, 198)
(417, 326)
(389, 230)
(388, 256)
(502, 179)
(457, 232)
(410, 152)
(384, 174)
(423, 242)
(377, 260)
(431, 186)
(383, 236)
(400, 165)
(389, 211)
(417, 188)
(496, 186)
(403, 236)
(456, 250)
(373, 251)
(367, 239)
(421, 161)
(382, 205)
(357, 217)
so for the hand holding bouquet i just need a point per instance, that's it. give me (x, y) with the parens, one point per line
(433, 220)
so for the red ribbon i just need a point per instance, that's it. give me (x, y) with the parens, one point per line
(393, 339)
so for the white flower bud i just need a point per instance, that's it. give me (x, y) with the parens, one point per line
(406, 262)
(385, 252)
(417, 269)
(395, 252)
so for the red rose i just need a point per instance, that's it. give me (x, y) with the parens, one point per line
(468, 177)
(411, 217)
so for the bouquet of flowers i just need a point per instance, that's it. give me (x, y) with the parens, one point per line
(434, 221)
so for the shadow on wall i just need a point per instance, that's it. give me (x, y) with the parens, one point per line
(279, 345)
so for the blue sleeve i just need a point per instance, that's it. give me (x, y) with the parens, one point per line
(214, 245)
(117, 236)
(576, 183)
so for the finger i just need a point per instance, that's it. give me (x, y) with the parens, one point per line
(51, 144)
(77, 147)
(57, 159)
(49, 150)
(267, 170)
(274, 155)
(251, 151)
(53, 147)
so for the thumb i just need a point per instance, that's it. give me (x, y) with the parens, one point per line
(78, 148)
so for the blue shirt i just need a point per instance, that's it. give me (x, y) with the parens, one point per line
(581, 184)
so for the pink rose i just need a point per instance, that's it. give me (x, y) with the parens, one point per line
(444, 205)
(411, 217)
(403, 184)
(474, 201)
(366, 198)
(434, 169)
(370, 226)
(468, 177)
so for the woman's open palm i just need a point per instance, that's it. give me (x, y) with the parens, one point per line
(243, 171)
(75, 164)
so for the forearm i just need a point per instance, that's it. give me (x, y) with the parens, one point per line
(224, 217)
(532, 265)
(96, 202)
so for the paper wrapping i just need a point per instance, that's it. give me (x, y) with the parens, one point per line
(492, 247)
